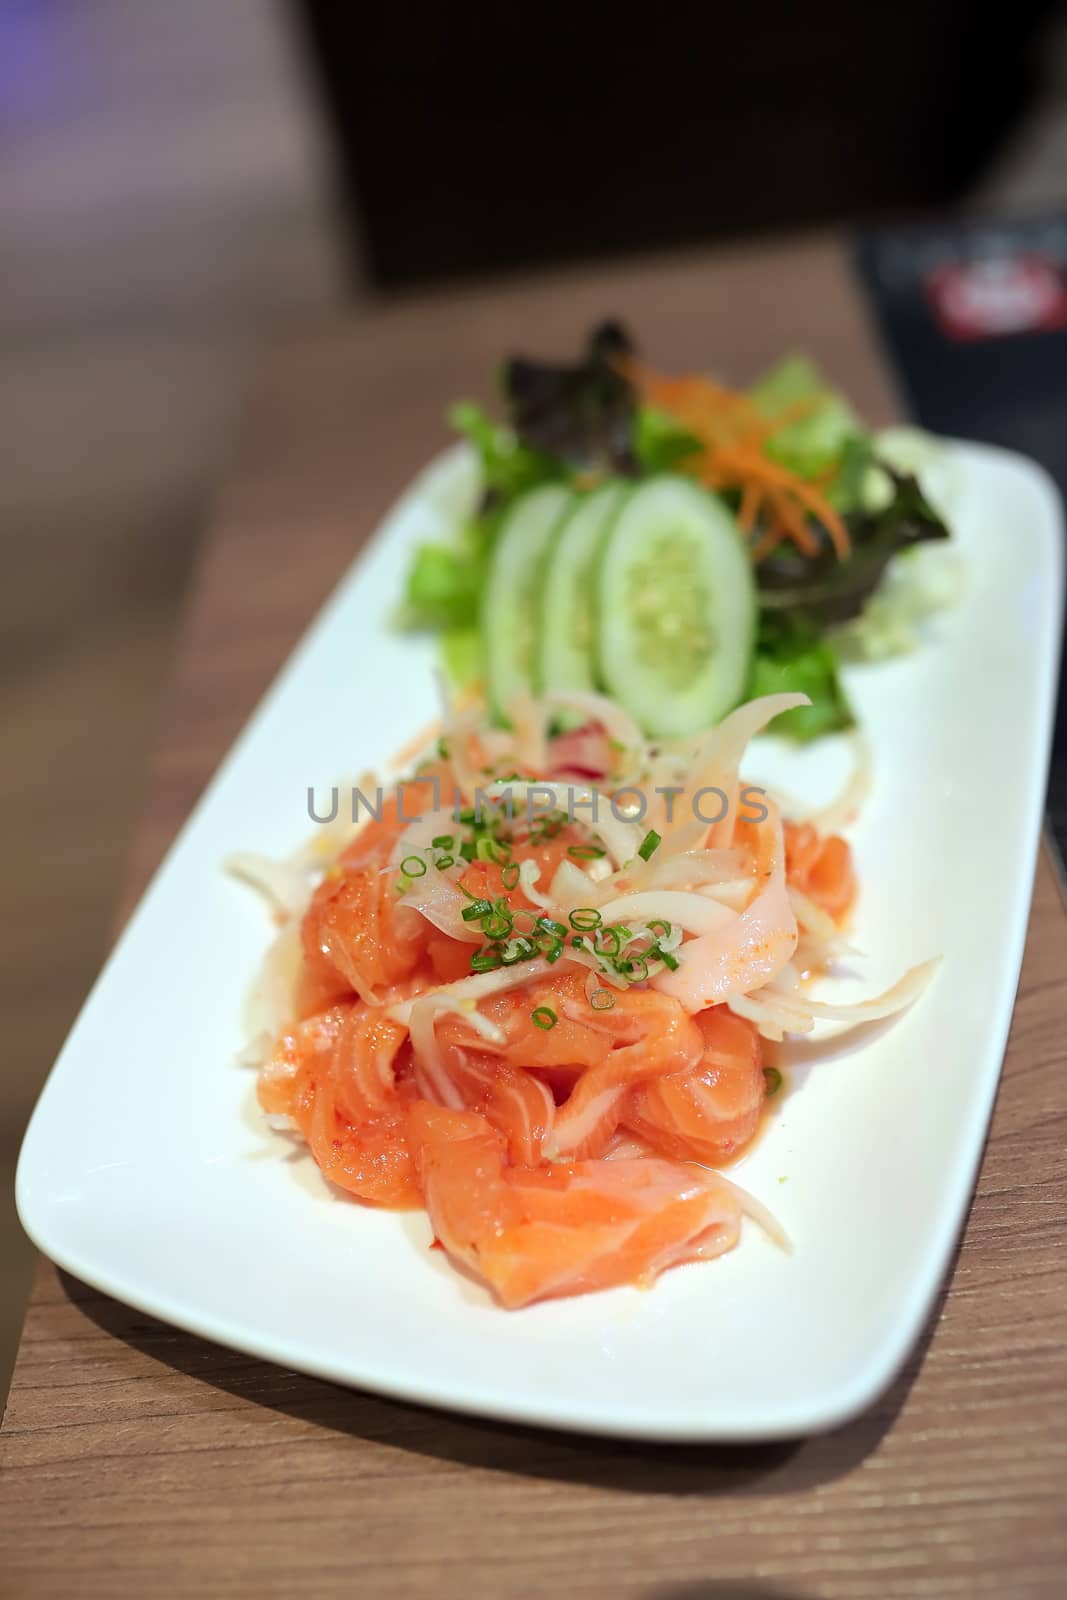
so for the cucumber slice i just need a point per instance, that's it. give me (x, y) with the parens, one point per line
(676, 608)
(567, 639)
(509, 605)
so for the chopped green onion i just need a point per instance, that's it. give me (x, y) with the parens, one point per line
(586, 918)
(660, 928)
(485, 960)
(648, 844)
(442, 749)
(517, 950)
(413, 867)
(585, 852)
(547, 827)
(510, 875)
(601, 999)
(442, 863)
(636, 969)
(669, 961)
(773, 1079)
(553, 953)
(544, 1017)
(476, 911)
(607, 942)
(497, 926)
(444, 841)
(547, 925)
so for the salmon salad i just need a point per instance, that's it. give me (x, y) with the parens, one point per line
(536, 985)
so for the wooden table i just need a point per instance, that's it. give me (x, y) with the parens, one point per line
(141, 1460)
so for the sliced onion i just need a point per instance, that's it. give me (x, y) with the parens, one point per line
(457, 726)
(527, 720)
(416, 838)
(270, 1004)
(749, 949)
(578, 802)
(433, 1081)
(285, 885)
(795, 1013)
(687, 870)
(716, 762)
(607, 978)
(477, 987)
(431, 1074)
(693, 912)
(279, 1121)
(842, 810)
(496, 745)
(815, 920)
(436, 897)
(256, 1052)
(770, 1022)
(897, 998)
(529, 878)
(758, 1212)
(572, 887)
(736, 893)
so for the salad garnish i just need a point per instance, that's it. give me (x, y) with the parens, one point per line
(551, 1038)
(678, 543)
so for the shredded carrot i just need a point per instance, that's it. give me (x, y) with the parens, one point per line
(776, 504)
(749, 507)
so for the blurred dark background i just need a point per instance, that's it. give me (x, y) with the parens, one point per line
(180, 182)
(534, 135)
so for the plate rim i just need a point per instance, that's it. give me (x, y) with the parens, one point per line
(831, 1408)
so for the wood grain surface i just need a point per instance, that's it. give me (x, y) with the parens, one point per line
(139, 1460)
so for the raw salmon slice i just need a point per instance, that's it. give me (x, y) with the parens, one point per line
(710, 1111)
(591, 1058)
(335, 1077)
(570, 1228)
(820, 867)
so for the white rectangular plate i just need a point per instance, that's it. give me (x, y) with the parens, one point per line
(148, 1172)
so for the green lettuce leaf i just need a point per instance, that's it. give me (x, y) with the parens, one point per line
(444, 586)
(461, 651)
(445, 582)
(794, 660)
(660, 445)
(822, 590)
(815, 441)
(509, 467)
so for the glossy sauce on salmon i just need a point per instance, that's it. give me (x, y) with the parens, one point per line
(470, 1035)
